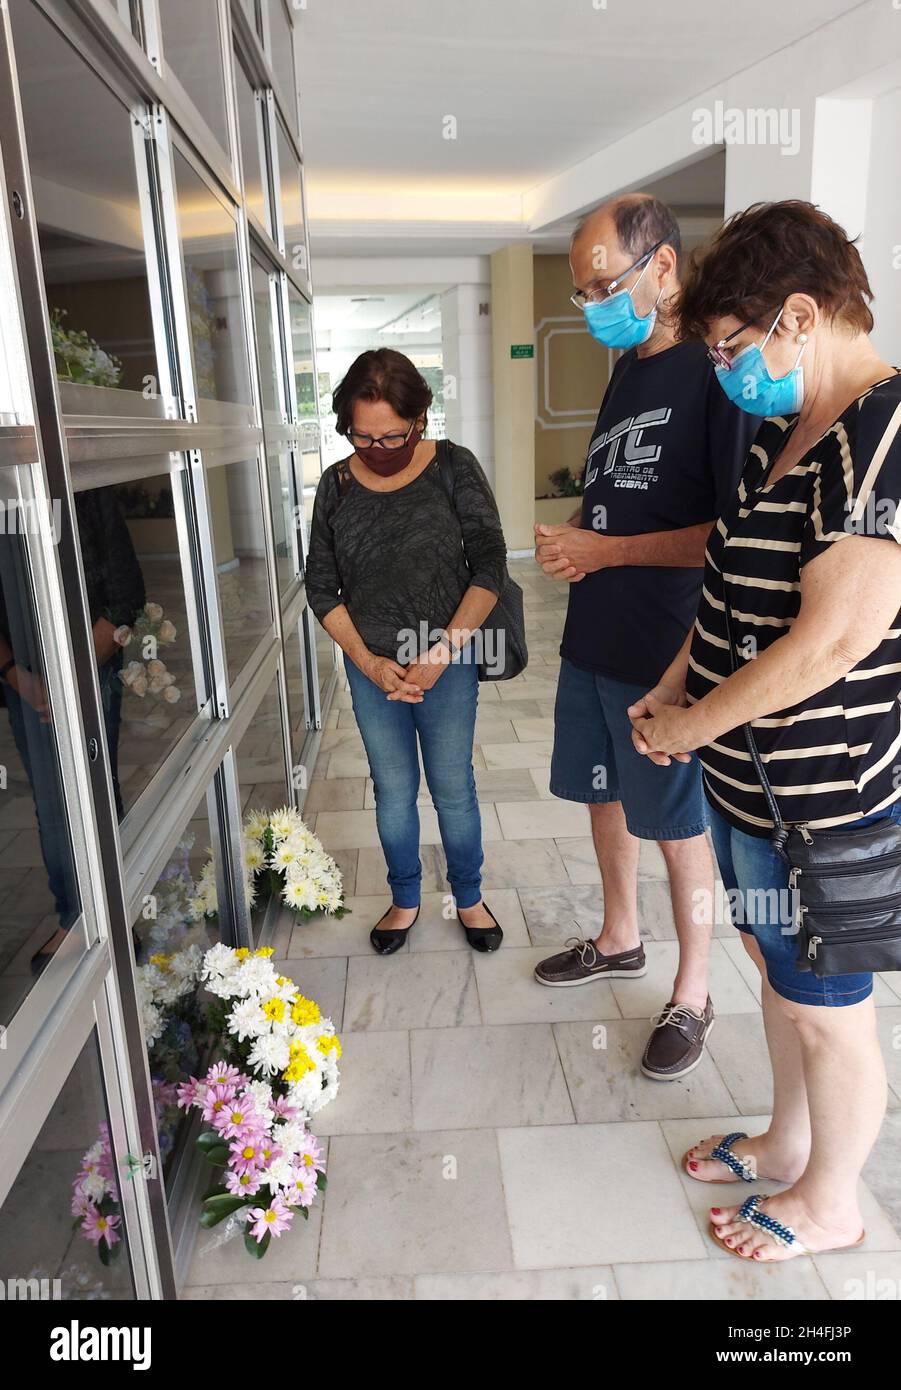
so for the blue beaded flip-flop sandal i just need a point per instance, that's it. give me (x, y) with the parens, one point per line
(750, 1213)
(723, 1151)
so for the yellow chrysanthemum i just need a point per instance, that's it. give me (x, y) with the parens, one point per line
(160, 961)
(274, 1009)
(242, 953)
(327, 1043)
(300, 1064)
(266, 951)
(304, 1012)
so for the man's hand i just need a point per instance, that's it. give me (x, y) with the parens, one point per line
(571, 552)
(659, 728)
(424, 673)
(392, 678)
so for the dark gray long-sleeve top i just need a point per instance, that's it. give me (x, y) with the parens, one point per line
(401, 561)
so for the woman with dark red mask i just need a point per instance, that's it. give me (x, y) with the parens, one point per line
(402, 571)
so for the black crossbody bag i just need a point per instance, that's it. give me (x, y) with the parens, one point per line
(846, 882)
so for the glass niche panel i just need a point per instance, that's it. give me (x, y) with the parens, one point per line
(62, 1219)
(245, 596)
(89, 226)
(281, 35)
(253, 147)
(213, 284)
(300, 715)
(305, 386)
(278, 459)
(39, 900)
(295, 241)
(178, 922)
(192, 49)
(138, 607)
(260, 762)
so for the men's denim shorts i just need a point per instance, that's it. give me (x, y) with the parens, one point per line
(756, 877)
(595, 760)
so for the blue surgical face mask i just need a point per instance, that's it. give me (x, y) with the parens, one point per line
(614, 321)
(748, 382)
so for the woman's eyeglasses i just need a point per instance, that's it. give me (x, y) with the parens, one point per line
(387, 441)
(721, 355)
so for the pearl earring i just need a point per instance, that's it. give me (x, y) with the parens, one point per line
(802, 338)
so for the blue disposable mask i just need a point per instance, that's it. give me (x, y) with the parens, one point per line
(614, 321)
(749, 385)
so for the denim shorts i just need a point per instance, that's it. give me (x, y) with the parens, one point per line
(750, 866)
(595, 760)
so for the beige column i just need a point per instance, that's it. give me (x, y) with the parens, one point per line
(513, 327)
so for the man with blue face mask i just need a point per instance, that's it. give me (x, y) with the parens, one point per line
(665, 457)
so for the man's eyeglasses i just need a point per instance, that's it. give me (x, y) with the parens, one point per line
(581, 297)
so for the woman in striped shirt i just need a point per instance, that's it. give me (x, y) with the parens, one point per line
(806, 558)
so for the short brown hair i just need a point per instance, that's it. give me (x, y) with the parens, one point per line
(764, 254)
(381, 374)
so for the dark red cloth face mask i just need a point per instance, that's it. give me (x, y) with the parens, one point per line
(387, 462)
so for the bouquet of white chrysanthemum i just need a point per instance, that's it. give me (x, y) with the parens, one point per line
(279, 848)
(273, 1032)
(161, 982)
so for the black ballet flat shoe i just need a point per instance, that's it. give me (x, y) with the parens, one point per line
(483, 938)
(387, 942)
(40, 960)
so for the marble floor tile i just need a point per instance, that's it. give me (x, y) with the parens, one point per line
(556, 1179)
(861, 1275)
(601, 1065)
(511, 755)
(522, 864)
(322, 979)
(738, 1046)
(647, 995)
(428, 989)
(540, 820)
(509, 992)
(713, 1280)
(472, 1078)
(529, 1285)
(401, 1204)
(341, 794)
(386, 1290)
(375, 1092)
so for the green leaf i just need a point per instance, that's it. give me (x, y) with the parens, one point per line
(254, 1247)
(216, 1209)
(321, 1181)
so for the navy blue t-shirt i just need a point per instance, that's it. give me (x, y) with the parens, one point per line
(667, 451)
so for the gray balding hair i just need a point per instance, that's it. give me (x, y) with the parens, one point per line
(640, 221)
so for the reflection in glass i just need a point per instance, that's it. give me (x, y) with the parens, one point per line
(326, 654)
(191, 48)
(253, 159)
(305, 386)
(38, 891)
(278, 460)
(245, 600)
(209, 250)
(89, 223)
(62, 1218)
(298, 713)
(295, 245)
(138, 610)
(178, 923)
(260, 759)
(282, 38)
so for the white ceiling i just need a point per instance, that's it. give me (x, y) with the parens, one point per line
(535, 86)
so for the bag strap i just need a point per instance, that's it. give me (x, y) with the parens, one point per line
(780, 833)
(445, 460)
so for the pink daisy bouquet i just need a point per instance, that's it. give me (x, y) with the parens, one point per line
(273, 1164)
(95, 1199)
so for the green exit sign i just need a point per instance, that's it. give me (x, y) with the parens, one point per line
(522, 350)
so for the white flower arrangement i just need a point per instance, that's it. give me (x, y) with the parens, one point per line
(278, 843)
(278, 1036)
(161, 982)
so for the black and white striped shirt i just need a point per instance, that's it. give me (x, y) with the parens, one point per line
(837, 756)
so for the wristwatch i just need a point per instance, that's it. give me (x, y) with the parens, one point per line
(451, 646)
(6, 667)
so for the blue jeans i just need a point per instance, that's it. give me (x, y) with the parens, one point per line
(444, 725)
(36, 746)
(750, 865)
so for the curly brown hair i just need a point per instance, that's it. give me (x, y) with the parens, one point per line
(764, 254)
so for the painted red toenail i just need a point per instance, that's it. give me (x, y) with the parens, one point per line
(693, 1167)
(716, 1210)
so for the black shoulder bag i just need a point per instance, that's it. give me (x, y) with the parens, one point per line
(847, 881)
(504, 630)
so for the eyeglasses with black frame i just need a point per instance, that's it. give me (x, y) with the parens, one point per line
(386, 441)
(717, 354)
(580, 298)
